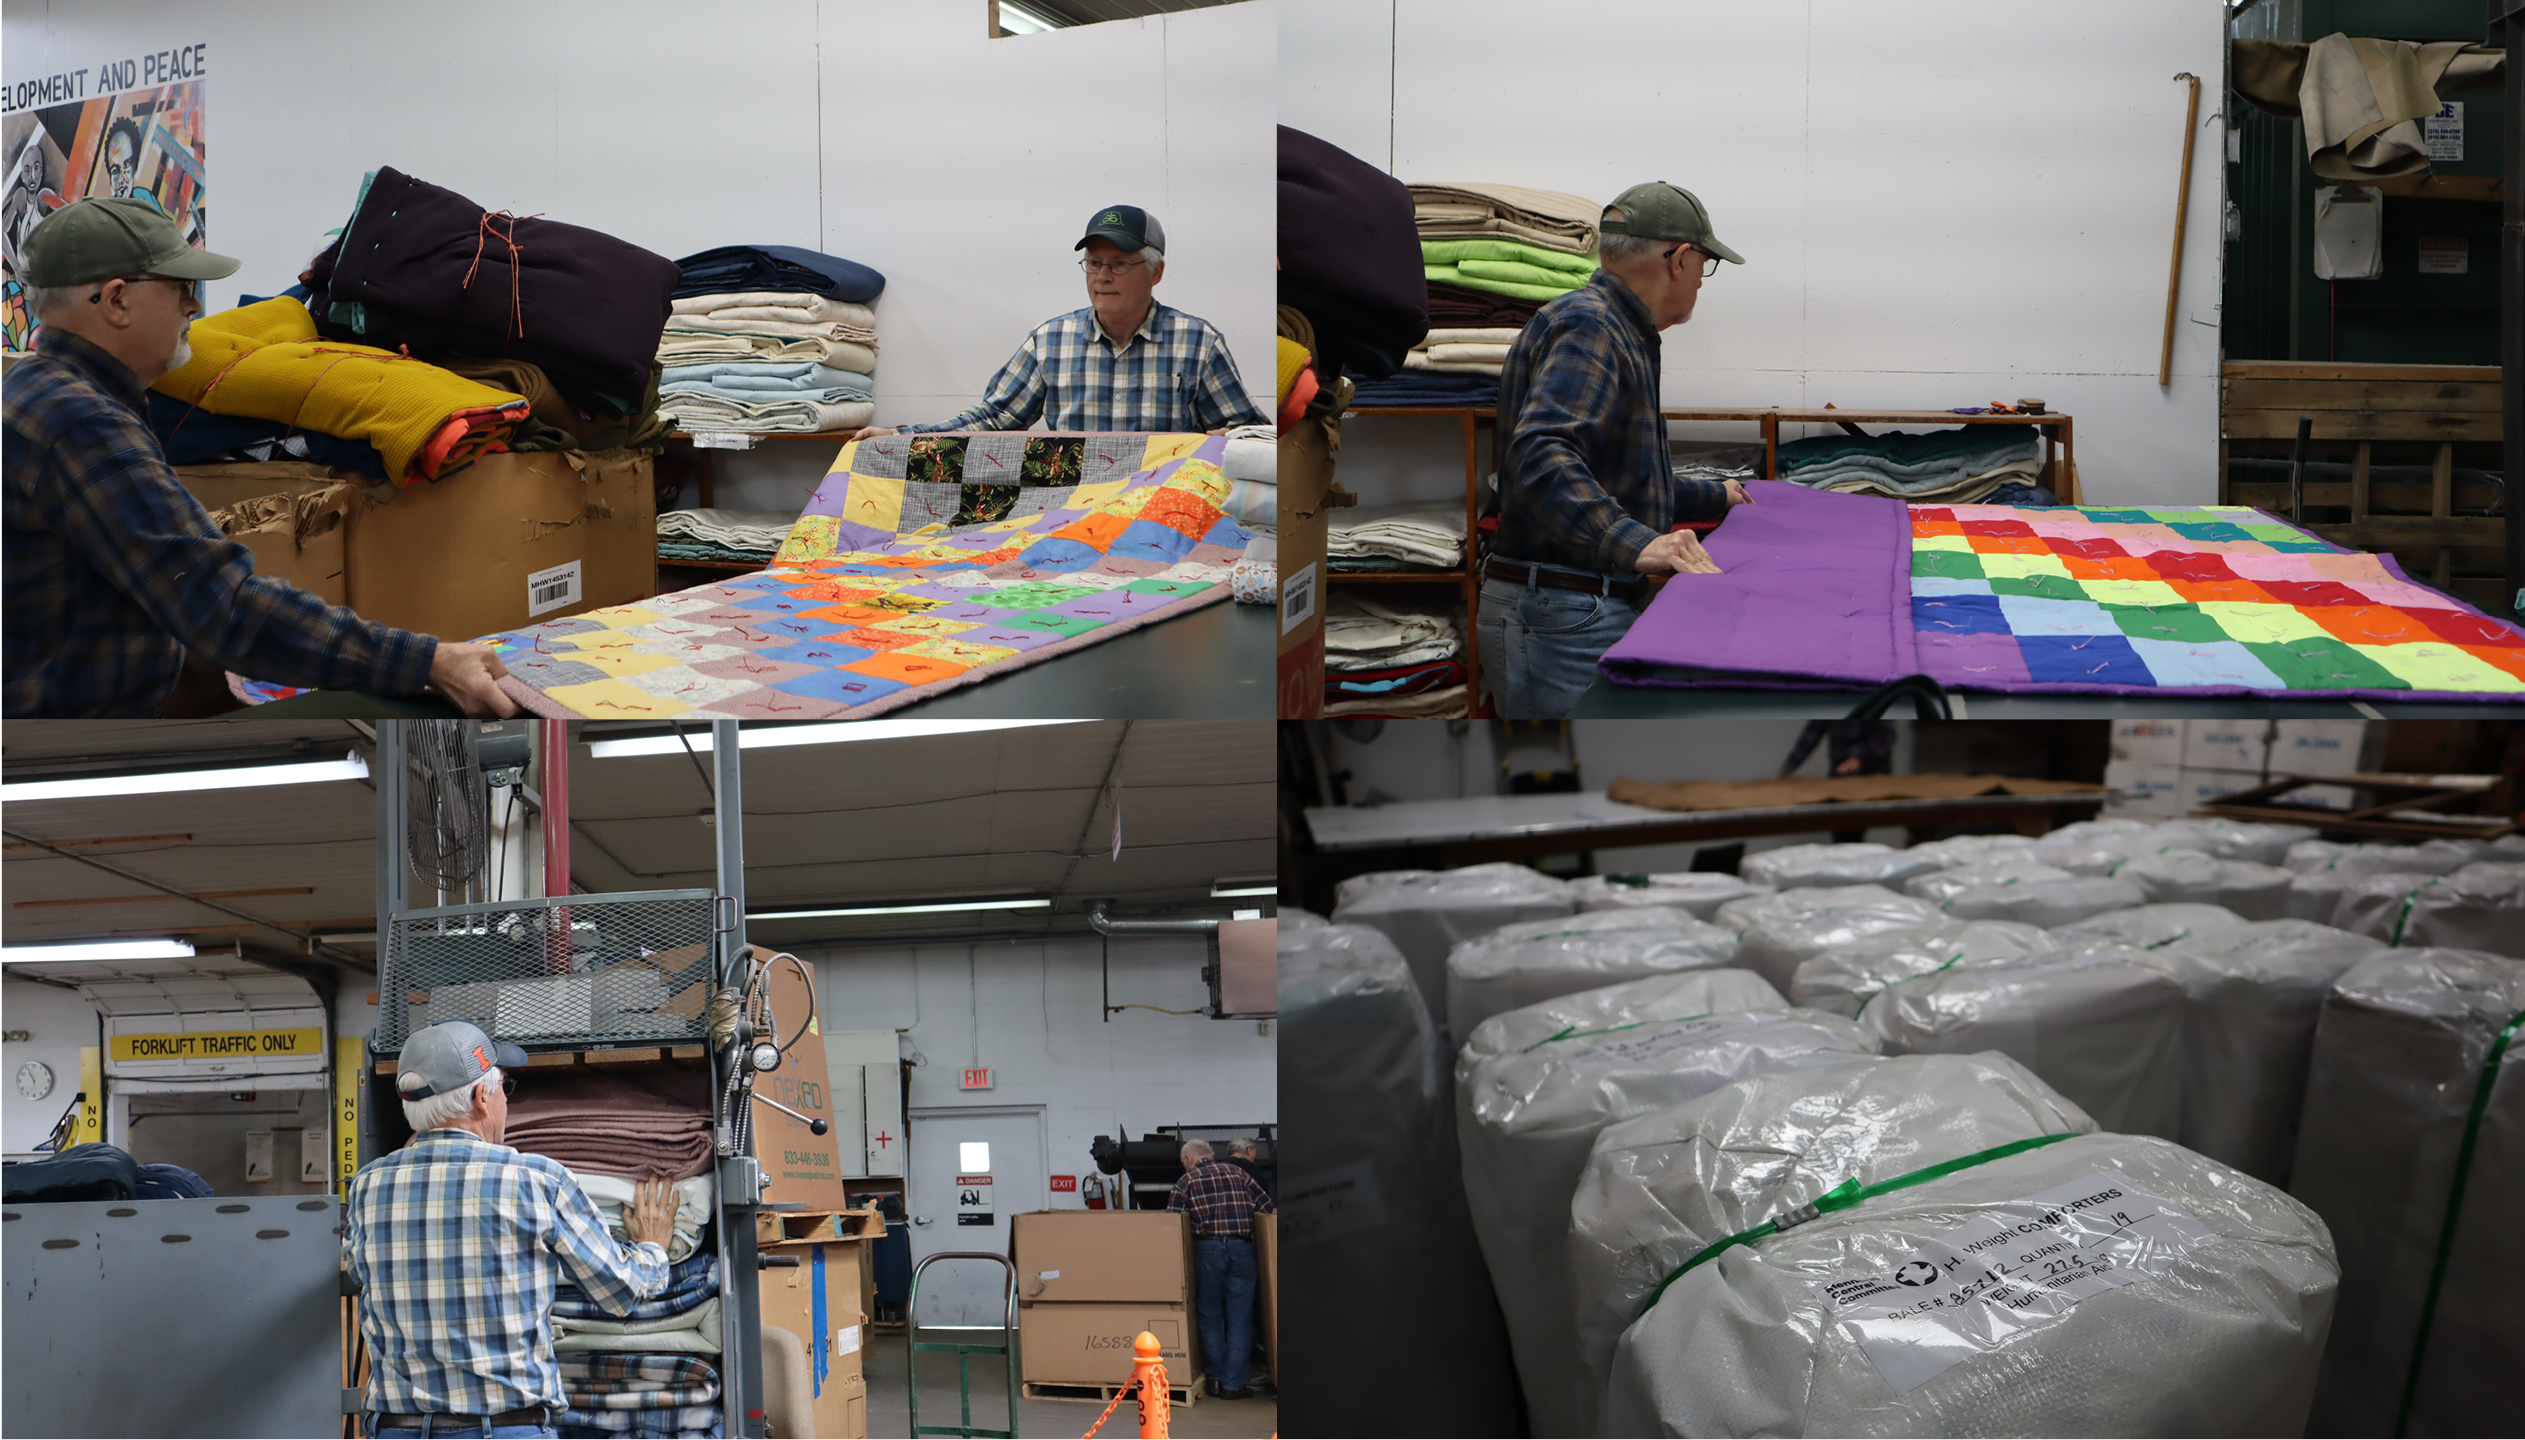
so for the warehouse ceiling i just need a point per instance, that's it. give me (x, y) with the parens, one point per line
(1021, 813)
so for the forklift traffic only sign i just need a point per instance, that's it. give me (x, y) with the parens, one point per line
(224, 1044)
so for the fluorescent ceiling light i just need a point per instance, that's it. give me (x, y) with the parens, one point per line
(99, 950)
(349, 767)
(1226, 889)
(835, 733)
(902, 909)
(1018, 20)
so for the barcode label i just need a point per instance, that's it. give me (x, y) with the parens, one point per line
(1297, 597)
(552, 589)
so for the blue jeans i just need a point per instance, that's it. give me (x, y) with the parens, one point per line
(1539, 646)
(1225, 1270)
(462, 1432)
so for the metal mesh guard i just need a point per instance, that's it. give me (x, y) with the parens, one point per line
(553, 974)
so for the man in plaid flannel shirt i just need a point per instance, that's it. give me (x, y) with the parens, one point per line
(458, 1242)
(1124, 363)
(1223, 1201)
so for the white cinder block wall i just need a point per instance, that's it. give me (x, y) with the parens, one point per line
(898, 135)
(1939, 204)
(1030, 1011)
(57, 1023)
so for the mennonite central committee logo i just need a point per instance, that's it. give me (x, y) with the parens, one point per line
(1918, 1272)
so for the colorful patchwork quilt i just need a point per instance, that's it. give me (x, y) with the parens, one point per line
(1829, 591)
(923, 563)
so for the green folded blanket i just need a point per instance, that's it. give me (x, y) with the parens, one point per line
(1520, 290)
(1456, 252)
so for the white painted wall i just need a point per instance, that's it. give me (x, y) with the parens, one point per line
(1939, 204)
(1030, 1011)
(57, 1023)
(896, 134)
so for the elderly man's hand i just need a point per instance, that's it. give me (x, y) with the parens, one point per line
(1677, 553)
(1737, 494)
(867, 432)
(470, 676)
(652, 1215)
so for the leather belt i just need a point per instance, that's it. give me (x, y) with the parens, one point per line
(1634, 591)
(531, 1415)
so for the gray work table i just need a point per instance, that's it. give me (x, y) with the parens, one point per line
(1517, 827)
(1215, 663)
(1607, 701)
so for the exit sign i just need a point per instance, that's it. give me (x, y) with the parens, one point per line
(975, 1080)
(1064, 1184)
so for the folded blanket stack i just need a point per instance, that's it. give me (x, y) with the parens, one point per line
(1397, 537)
(639, 1395)
(735, 536)
(1382, 660)
(1414, 386)
(613, 1196)
(634, 1127)
(1959, 466)
(1495, 254)
(262, 373)
(771, 338)
(1252, 463)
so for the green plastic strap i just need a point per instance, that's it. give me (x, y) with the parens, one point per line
(2405, 917)
(2170, 939)
(1950, 963)
(1847, 1194)
(1636, 882)
(2454, 1208)
(1574, 1033)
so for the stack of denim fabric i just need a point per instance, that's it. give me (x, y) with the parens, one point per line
(768, 338)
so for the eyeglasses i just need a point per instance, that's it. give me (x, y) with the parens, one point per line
(508, 1085)
(1708, 268)
(188, 289)
(1117, 267)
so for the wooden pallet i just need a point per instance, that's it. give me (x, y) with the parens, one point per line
(1095, 1393)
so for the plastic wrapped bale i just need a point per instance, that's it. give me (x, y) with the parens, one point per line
(1526, 1119)
(2147, 927)
(1526, 964)
(2093, 1285)
(1844, 979)
(2350, 862)
(2414, 1151)
(2025, 891)
(1939, 886)
(1427, 913)
(1660, 1189)
(1372, 1206)
(1960, 850)
(1698, 891)
(2193, 877)
(2101, 1024)
(1781, 932)
(2254, 993)
(2478, 907)
(2235, 839)
(1794, 867)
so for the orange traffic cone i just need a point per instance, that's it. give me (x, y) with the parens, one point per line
(1148, 1371)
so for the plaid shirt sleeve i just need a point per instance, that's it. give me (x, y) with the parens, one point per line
(1570, 397)
(1218, 392)
(615, 1274)
(1012, 400)
(117, 508)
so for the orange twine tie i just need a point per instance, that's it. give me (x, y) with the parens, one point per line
(483, 231)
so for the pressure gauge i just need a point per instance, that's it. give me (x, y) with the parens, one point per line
(35, 1079)
(766, 1056)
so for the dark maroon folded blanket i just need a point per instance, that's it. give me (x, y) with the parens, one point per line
(634, 1127)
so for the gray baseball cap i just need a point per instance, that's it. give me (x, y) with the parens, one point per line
(447, 1057)
(1127, 226)
(91, 240)
(1659, 211)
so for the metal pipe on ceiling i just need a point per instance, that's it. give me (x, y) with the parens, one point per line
(1106, 925)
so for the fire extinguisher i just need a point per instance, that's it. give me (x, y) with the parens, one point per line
(1095, 1191)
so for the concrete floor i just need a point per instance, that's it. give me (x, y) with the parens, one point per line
(889, 1413)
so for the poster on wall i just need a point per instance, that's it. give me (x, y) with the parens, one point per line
(127, 128)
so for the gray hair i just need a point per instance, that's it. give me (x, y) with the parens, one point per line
(1243, 1145)
(1154, 256)
(1198, 1151)
(431, 1111)
(42, 300)
(1617, 249)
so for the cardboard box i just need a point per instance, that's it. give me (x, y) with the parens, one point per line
(2195, 788)
(2242, 746)
(1307, 496)
(2327, 747)
(2142, 792)
(1131, 1256)
(1091, 1344)
(510, 540)
(1267, 1291)
(803, 1167)
(295, 517)
(2148, 742)
(786, 1299)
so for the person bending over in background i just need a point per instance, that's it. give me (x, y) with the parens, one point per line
(1588, 498)
(118, 582)
(1859, 747)
(1223, 1201)
(1245, 1155)
(1125, 362)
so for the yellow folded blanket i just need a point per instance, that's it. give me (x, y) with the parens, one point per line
(266, 361)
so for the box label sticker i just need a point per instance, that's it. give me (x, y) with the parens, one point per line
(2015, 1266)
(1297, 597)
(2445, 255)
(846, 1340)
(1331, 1203)
(552, 589)
(2443, 132)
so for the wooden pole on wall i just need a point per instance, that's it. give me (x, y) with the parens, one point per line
(2182, 204)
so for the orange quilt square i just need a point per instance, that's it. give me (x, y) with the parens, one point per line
(910, 669)
(2119, 567)
(1920, 526)
(835, 590)
(2369, 624)
(2502, 657)
(1183, 512)
(1096, 532)
(871, 639)
(2197, 591)
(2011, 545)
(853, 613)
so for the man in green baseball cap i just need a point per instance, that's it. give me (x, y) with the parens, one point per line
(1589, 503)
(122, 596)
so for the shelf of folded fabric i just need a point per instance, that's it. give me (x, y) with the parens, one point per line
(2058, 470)
(705, 476)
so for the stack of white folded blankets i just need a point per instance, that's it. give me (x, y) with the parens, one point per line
(1462, 351)
(760, 360)
(1252, 463)
(731, 535)
(1397, 537)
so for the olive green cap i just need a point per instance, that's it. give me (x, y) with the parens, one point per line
(1659, 211)
(90, 240)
